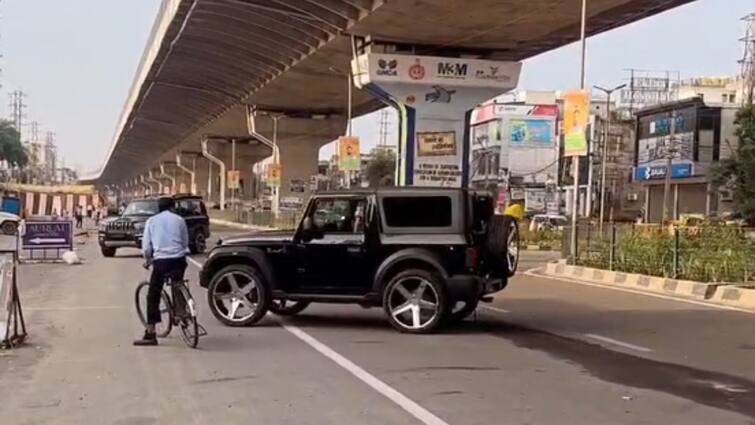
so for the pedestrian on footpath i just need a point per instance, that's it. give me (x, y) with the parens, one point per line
(79, 216)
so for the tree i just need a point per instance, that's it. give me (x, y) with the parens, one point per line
(737, 173)
(11, 149)
(381, 168)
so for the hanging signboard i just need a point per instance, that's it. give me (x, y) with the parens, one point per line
(348, 153)
(576, 111)
(234, 176)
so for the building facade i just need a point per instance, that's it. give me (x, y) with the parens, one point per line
(693, 135)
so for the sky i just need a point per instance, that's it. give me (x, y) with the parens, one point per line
(76, 60)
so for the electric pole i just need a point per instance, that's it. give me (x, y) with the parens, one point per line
(748, 61)
(383, 129)
(17, 107)
(604, 156)
(670, 152)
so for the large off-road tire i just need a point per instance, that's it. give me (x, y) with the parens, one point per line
(502, 245)
(107, 251)
(238, 295)
(415, 301)
(9, 227)
(198, 243)
(287, 307)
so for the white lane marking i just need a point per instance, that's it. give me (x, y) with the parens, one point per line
(496, 309)
(77, 308)
(404, 402)
(619, 343)
(638, 292)
(419, 412)
(194, 262)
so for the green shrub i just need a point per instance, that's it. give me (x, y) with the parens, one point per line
(706, 253)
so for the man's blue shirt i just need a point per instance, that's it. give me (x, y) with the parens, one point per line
(165, 236)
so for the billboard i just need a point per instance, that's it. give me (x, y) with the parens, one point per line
(532, 131)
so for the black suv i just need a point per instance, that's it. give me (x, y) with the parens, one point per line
(427, 256)
(126, 230)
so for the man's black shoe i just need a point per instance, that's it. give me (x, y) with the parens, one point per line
(147, 339)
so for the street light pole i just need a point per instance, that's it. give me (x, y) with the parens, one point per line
(670, 151)
(604, 158)
(575, 198)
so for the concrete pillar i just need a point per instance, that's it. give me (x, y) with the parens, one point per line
(298, 163)
(299, 141)
(435, 97)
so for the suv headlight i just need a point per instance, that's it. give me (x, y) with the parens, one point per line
(139, 227)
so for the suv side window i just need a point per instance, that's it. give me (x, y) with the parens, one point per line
(189, 207)
(417, 211)
(339, 215)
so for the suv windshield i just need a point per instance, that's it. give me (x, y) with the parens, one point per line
(146, 207)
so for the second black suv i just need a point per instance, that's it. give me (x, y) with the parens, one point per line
(427, 256)
(126, 230)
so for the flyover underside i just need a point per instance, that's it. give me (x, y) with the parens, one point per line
(294, 55)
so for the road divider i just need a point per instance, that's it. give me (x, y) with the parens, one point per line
(713, 293)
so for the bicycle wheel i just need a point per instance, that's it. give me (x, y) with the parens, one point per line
(187, 318)
(163, 328)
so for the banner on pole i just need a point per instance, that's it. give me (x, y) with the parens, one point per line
(234, 176)
(274, 175)
(348, 153)
(576, 112)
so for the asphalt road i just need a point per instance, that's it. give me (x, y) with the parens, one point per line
(545, 352)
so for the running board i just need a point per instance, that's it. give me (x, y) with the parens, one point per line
(325, 298)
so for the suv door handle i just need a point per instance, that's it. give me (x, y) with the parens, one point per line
(355, 250)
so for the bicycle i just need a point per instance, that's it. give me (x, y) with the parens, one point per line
(178, 306)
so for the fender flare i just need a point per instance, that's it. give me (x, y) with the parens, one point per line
(244, 255)
(410, 254)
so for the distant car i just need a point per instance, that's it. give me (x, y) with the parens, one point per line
(126, 230)
(9, 223)
(426, 256)
(542, 222)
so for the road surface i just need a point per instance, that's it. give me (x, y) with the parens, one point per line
(545, 352)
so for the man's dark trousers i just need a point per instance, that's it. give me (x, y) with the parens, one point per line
(162, 268)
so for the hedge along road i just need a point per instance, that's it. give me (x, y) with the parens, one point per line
(342, 364)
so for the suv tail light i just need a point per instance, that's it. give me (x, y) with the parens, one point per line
(473, 258)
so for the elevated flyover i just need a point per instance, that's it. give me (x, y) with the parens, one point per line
(209, 62)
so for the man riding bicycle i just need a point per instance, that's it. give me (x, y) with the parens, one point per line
(165, 243)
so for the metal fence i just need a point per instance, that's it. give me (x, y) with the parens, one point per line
(707, 253)
(284, 220)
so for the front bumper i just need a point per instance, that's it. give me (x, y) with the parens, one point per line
(130, 241)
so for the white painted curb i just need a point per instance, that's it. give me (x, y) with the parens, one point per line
(712, 292)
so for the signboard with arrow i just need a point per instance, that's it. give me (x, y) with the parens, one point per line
(48, 235)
